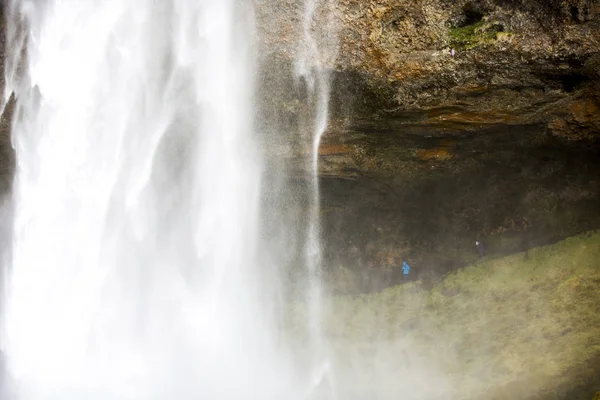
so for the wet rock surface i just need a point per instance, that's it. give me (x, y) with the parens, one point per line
(453, 121)
(6, 153)
(514, 61)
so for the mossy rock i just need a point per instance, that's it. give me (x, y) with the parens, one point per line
(471, 36)
(597, 396)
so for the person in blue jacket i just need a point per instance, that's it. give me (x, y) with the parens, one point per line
(405, 270)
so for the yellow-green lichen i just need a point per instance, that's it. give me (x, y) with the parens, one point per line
(470, 36)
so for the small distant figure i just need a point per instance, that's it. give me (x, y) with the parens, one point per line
(480, 248)
(405, 270)
(452, 52)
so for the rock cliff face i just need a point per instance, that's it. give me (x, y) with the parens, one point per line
(452, 121)
(460, 64)
(482, 62)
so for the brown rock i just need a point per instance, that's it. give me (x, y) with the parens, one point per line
(585, 110)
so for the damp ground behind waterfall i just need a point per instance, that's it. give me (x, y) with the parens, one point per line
(524, 326)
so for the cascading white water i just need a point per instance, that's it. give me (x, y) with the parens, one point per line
(137, 270)
(311, 70)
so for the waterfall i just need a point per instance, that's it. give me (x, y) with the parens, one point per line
(312, 68)
(137, 268)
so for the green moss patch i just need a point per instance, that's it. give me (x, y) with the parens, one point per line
(470, 36)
